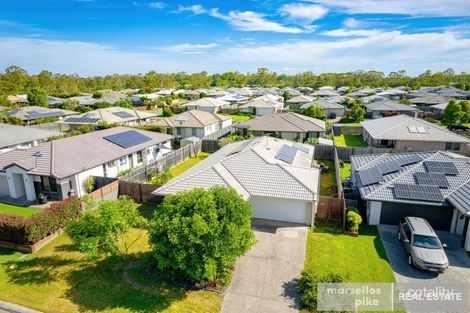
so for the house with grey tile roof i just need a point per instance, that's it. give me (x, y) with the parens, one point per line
(383, 108)
(195, 123)
(288, 125)
(275, 175)
(402, 132)
(59, 166)
(263, 105)
(210, 105)
(433, 185)
(29, 114)
(295, 103)
(328, 108)
(22, 137)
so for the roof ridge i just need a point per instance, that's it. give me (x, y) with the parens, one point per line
(195, 117)
(218, 173)
(292, 175)
(287, 120)
(394, 126)
(458, 188)
(52, 158)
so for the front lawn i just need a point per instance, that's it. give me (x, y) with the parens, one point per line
(187, 164)
(240, 118)
(364, 258)
(350, 141)
(60, 279)
(17, 210)
(327, 180)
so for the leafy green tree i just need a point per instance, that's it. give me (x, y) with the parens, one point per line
(452, 113)
(107, 229)
(199, 234)
(38, 97)
(166, 111)
(465, 106)
(357, 112)
(286, 95)
(314, 111)
(124, 104)
(162, 178)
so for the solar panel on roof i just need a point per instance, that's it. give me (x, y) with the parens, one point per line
(301, 148)
(432, 179)
(370, 176)
(84, 120)
(287, 154)
(123, 114)
(12, 112)
(388, 167)
(38, 114)
(127, 139)
(410, 159)
(418, 192)
(447, 168)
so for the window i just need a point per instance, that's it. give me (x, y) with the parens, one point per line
(179, 131)
(453, 146)
(48, 184)
(407, 231)
(139, 157)
(112, 164)
(123, 161)
(193, 131)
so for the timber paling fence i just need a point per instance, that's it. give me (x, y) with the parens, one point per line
(143, 173)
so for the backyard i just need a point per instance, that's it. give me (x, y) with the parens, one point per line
(350, 141)
(328, 179)
(187, 164)
(17, 210)
(60, 279)
(345, 170)
(239, 117)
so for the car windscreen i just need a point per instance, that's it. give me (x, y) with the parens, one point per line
(428, 242)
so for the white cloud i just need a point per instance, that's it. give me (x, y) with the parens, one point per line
(194, 9)
(407, 7)
(187, 48)
(253, 21)
(341, 32)
(157, 5)
(351, 22)
(304, 13)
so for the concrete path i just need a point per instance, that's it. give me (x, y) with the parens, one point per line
(266, 279)
(7, 307)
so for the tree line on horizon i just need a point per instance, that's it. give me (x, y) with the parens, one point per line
(15, 80)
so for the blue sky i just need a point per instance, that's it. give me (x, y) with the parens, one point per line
(95, 37)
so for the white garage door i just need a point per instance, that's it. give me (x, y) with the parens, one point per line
(4, 190)
(295, 211)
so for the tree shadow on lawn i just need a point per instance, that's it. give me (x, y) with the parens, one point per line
(98, 284)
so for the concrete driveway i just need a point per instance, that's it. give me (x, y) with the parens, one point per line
(266, 279)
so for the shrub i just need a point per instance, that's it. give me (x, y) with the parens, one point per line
(30, 230)
(353, 221)
(198, 234)
(309, 286)
(89, 184)
(162, 178)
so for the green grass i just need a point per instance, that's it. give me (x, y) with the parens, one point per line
(350, 141)
(187, 164)
(17, 210)
(364, 258)
(327, 180)
(60, 279)
(350, 124)
(240, 118)
(345, 170)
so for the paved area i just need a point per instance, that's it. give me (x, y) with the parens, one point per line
(459, 261)
(7, 307)
(266, 279)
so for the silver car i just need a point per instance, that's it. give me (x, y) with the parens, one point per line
(424, 249)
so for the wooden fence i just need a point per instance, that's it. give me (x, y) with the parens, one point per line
(139, 192)
(143, 173)
(330, 209)
(324, 152)
(51, 126)
(106, 192)
(210, 146)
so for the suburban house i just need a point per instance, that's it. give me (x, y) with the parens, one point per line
(295, 103)
(262, 106)
(21, 137)
(275, 175)
(210, 105)
(195, 123)
(112, 115)
(288, 125)
(428, 100)
(383, 108)
(328, 108)
(59, 168)
(433, 185)
(233, 99)
(29, 114)
(402, 132)
(393, 94)
(324, 93)
(18, 99)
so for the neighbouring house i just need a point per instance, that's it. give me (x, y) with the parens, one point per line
(393, 94)
(18, 99)
(402, 132)
(295, 103)
(30, 114)
(22, 137)
(378, 109)
(195, 123)
(433, 185)
(233, 99)
(328, 108)
(112, 115)
(287, 125)
(262, 106)
(324, 93)
(210, 105)
(426, 101)
(53, 102)
(275, 175)
(60, 167)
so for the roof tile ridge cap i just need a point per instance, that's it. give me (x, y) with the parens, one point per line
(52, 169)
(383, 156)
(176, 180)
(392, 181)
(101, 115)
(287, 120)
(195, 117)
(293, 176)
(137, 114)
(309, 119)
(457, 188)
(228, 171)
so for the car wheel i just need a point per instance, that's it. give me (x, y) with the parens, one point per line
(410, 260)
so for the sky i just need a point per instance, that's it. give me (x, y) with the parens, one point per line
(98, 37)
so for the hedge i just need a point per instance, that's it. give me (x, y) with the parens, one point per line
(28, 231)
